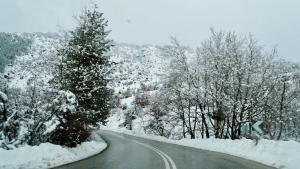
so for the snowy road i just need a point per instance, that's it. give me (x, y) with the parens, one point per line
(129, 152)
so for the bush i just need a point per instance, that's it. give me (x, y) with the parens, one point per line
(142, 100)
(71, 131)
(148, 87)
(127, 93)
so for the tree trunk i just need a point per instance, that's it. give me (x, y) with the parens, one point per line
(233, 137)
(281, 110)
(205, 124)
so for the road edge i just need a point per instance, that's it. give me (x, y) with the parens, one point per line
(85, 158)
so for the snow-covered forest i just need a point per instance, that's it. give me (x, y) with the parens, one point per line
(58, 88)
(216, 90)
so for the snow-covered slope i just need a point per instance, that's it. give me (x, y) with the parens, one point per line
(133, 64)
(37, 64)
(136, 65)
(139, 72)
(136, 69)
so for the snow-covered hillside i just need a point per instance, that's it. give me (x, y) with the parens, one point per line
(36, 65)
(136, 69)
(134, 64)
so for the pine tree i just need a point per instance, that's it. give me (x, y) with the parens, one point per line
(85, 65)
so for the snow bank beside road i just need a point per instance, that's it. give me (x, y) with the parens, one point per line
(279, 154)
(49, 155)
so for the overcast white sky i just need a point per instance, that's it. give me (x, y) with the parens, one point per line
(272, 22)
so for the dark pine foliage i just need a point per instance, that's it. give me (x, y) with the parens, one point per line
(85, 65)
(83, 71)
(71, 131)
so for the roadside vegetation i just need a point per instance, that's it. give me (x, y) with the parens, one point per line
(64, 108)
(225, 86)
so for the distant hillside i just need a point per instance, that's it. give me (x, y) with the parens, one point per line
(133, 64)
(18, 44)
(12, 45)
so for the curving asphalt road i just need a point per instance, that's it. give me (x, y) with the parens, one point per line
(129, 152)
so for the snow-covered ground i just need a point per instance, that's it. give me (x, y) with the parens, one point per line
(279, 154)
(49, 155)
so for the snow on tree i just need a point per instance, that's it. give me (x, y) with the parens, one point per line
(3, 101)
(84, 67)
(230, 82)
(3, 97)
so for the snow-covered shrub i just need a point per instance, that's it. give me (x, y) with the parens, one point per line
(116, 102)
(148, 87)
(129, 117)
(72, 126)
(127, 93)
(65, 102)
(124, 107)
(31, 122)
(25, 117)
(3, 97)
(142, 100)
(3, 100)
(157, 122)
(73, 129)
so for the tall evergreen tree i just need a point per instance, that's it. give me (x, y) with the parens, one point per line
(85, 65)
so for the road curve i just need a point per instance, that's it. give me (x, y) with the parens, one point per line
(129, 152)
